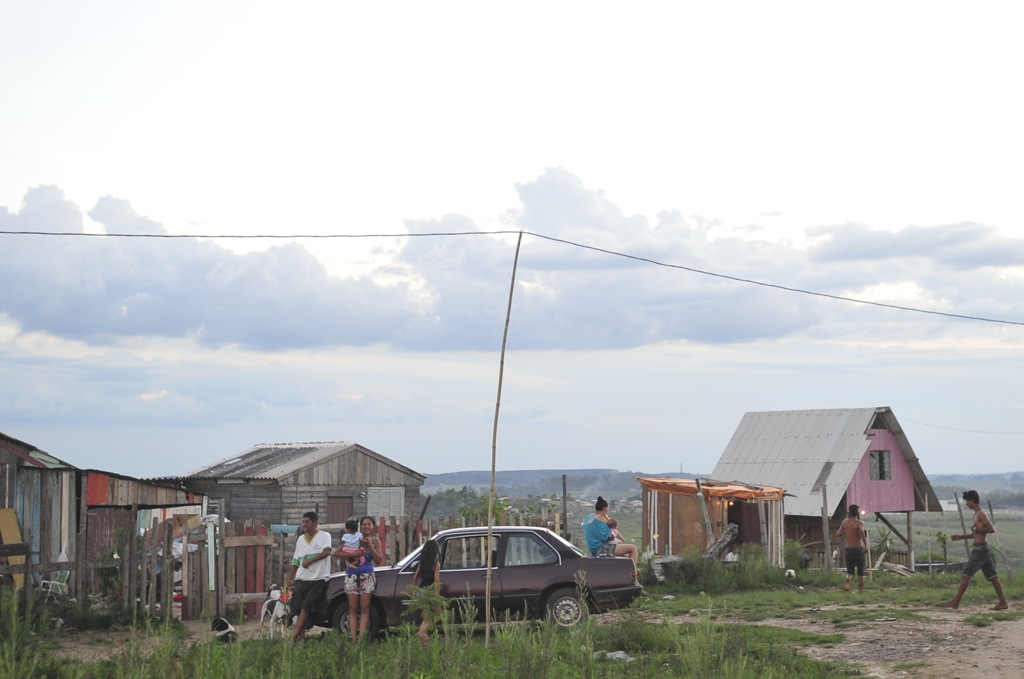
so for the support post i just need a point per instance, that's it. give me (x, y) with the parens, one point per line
(963, 524)
(825, 527)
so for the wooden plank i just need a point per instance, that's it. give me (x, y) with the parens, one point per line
(249, 570)
(219, 585)
(18, 549)
(233, 561)
(262, 555)
(167, 579)
(897, 569)
(152, 563)
(187, 564)
(49, 566)
(247, 598)
(11, 533)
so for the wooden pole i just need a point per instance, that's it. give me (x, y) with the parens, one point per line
(494, 446)
(151, 567)
(219, 579)
(129, 585)
(82, 553)
(999, 542)
(565, 506)
(709, 534)
(826, 529)
(963, 524)
(911, 556)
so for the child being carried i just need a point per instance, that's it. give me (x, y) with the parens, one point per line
(616, 538)
(351, 550)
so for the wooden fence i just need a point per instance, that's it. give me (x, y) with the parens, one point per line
(245, 559)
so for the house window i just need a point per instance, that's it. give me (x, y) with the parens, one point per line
(385, 502)
(881, 465)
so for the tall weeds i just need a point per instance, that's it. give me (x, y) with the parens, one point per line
(654, 647)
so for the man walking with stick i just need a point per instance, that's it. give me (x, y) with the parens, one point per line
(981, 558)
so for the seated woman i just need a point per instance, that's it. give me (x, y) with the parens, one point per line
(600, 541)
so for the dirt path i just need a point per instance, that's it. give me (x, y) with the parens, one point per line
(941, 645)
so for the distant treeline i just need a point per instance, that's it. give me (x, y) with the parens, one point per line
(530, 500)
(948, 485)
(998, 498)
(542, 483)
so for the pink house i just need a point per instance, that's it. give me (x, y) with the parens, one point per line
(828, 460)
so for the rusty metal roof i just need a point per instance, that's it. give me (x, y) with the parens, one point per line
(710, 488)
(32, 456)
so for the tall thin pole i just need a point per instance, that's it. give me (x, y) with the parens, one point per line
(963, 524)
(494, 447)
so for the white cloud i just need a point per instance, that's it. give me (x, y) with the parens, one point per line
(808, 146)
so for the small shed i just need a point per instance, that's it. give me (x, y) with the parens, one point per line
(684, 513)
(279, 482)
(81, 514)
(830, 459)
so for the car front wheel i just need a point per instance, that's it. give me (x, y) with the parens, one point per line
(339, 620)
(565, 607)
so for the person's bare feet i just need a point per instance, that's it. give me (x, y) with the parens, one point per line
(1000, 607)
(949, 604)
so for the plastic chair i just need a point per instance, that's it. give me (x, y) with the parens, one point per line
(57, 588)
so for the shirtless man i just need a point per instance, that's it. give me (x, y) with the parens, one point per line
(981, 558)
(852, 530)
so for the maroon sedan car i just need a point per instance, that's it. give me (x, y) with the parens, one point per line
(535, 574)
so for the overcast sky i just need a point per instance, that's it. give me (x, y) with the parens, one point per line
(685, 174)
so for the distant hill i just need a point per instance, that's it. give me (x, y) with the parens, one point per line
(946, 484)
(524, 482)
(539, 481)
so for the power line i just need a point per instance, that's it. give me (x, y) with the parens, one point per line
(966, 431)
(783, 287)
(222, 236)
(563, 241)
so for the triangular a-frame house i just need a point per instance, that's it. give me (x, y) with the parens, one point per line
(828, 460)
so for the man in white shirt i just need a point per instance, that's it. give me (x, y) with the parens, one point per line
(311, 565)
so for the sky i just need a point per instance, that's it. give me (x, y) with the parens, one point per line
(702, 189)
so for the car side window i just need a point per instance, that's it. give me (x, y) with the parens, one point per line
(528, 550)
(467, 552)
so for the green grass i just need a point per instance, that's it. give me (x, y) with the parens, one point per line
(701, 648)
(708, 628)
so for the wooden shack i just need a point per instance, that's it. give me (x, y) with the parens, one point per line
(682, 514)
(278, 482)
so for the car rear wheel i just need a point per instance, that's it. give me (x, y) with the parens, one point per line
(339, 620)
(565, 607)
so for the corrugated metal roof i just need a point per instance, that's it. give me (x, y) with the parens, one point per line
(32, 455)
(276, 460)
(801, 450)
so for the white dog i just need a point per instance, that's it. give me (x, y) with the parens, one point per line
(274, 610)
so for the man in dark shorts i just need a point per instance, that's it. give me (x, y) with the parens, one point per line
(981, 558)
(311, 566)
(852, 530)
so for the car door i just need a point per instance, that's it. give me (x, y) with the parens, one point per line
(464, 573)
(530, 566)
